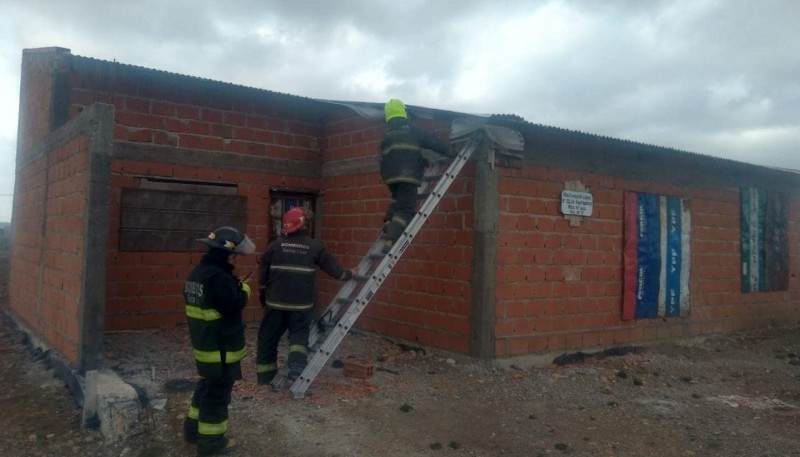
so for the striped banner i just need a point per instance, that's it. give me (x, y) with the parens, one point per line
(656, 257)
(765, 251)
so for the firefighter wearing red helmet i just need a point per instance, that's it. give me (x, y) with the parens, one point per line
(214, 300)
(287, 284)
(402, 167)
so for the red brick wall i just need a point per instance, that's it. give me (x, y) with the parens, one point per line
(156, 107)
(37, 93)
(719, 304)
(560, 287)
(426, 299)
(144, 289)
(49, 229)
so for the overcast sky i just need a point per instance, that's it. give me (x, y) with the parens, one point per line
(716, 77)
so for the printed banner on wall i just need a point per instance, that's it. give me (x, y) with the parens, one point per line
(765, 250)
(656, 256)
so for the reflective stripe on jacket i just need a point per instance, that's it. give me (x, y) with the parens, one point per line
(214, 302)
(401, 152)
(288, 271)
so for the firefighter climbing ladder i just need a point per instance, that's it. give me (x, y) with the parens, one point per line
(367, 283)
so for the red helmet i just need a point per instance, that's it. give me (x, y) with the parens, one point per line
(294, 220)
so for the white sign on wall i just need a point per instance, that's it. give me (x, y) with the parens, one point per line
(576, 203)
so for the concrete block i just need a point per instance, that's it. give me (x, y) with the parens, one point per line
(112, 403)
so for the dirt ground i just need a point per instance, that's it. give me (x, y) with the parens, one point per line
(731, 395)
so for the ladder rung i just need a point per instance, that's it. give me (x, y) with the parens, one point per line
(367, 290)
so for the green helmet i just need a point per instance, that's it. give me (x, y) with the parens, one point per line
(394, 108)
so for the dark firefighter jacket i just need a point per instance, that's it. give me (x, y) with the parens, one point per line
(401, 152)
(287, 275)
(214, 302)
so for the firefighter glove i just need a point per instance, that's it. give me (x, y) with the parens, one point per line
(245, 288)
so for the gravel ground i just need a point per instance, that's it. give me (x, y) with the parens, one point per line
(731, 395)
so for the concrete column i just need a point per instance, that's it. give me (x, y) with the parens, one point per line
(487, 213)
(93, 293)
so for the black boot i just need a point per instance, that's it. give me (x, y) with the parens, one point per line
(225, 449)
(266, 377)
(295, 371)
(190, 430)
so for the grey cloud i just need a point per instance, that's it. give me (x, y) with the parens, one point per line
(700, 75)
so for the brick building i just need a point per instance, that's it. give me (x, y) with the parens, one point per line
(120, 167)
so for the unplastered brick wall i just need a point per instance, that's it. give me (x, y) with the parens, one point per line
(49, 229)
(37, 93)
(170, 116)
(145, 289)
(560, 287)
(427, 297)
(353, 196)
(157, 107)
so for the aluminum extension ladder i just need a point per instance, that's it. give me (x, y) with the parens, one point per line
(344, 308)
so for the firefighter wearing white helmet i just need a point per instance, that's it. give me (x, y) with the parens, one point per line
(214, 301)
(402, 167)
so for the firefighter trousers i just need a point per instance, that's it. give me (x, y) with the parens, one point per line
(273, 325)
(401, 209)
(207, 421)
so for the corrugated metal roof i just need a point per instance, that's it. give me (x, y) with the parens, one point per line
(195, 78)
(523, 125)
(375, 110)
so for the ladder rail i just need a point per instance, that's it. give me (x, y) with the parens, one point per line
(328, 317)
(330, 313)
(381, 272)
(364, 266)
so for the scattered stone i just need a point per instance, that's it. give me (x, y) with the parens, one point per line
(158, 404)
